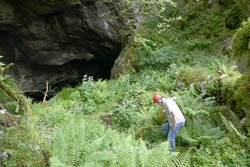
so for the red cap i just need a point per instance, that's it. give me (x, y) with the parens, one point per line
(156, 98)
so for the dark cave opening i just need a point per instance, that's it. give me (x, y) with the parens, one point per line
(102, 73)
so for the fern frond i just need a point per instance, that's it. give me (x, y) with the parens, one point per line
(59, 147)
(93, 146)
(184, 134)
(90, 164)
(55, 162)
(193, 112)
(101, 157)
(183, 159)
(214, 132)
(74, 136)
(69, 141)
(143, 153)
(231, 127)
(124, 156)
(160, 156)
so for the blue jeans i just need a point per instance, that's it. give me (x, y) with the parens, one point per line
(171, 134)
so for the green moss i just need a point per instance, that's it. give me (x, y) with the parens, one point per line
(8, 81)
(190, 76)
(23, 146)
(242, 38)
(242, 94)
(13, 107)
(126, 63)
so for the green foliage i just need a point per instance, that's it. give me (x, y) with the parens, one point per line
(224, 149)
(174, 41)
(77, 144)
(198, 129)
(68, 93)
(160, 58)
(197, 43)
(232, 128)
(124, 112)
(183, 159)
(234, 17)
(229, 114)
(192, 103)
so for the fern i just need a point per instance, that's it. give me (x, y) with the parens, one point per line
(185, 135)
(55, 162)
(126, 153)
(183, 159)
(193, 104)
(143, 153)
(75, 147)
(160, 156)
(68, 142)
(59, 147)
(101, 157)
(232, 128)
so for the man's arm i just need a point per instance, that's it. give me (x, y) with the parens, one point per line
(174, 125)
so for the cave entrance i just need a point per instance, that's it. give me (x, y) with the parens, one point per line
(74, 73)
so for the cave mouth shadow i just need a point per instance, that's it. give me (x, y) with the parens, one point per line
(38, 96)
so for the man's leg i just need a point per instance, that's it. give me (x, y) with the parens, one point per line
(179, 126)
(172, 135)
(165, 129)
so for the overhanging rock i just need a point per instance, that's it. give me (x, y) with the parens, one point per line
(59, 41)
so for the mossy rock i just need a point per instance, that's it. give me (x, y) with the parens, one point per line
(242, 94)
(191, 76)
(23, 147)
(241, 48)
(241, 38)
(126, 63)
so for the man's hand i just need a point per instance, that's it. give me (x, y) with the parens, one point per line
(173, 127)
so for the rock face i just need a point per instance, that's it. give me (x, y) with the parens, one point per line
(59, 41)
